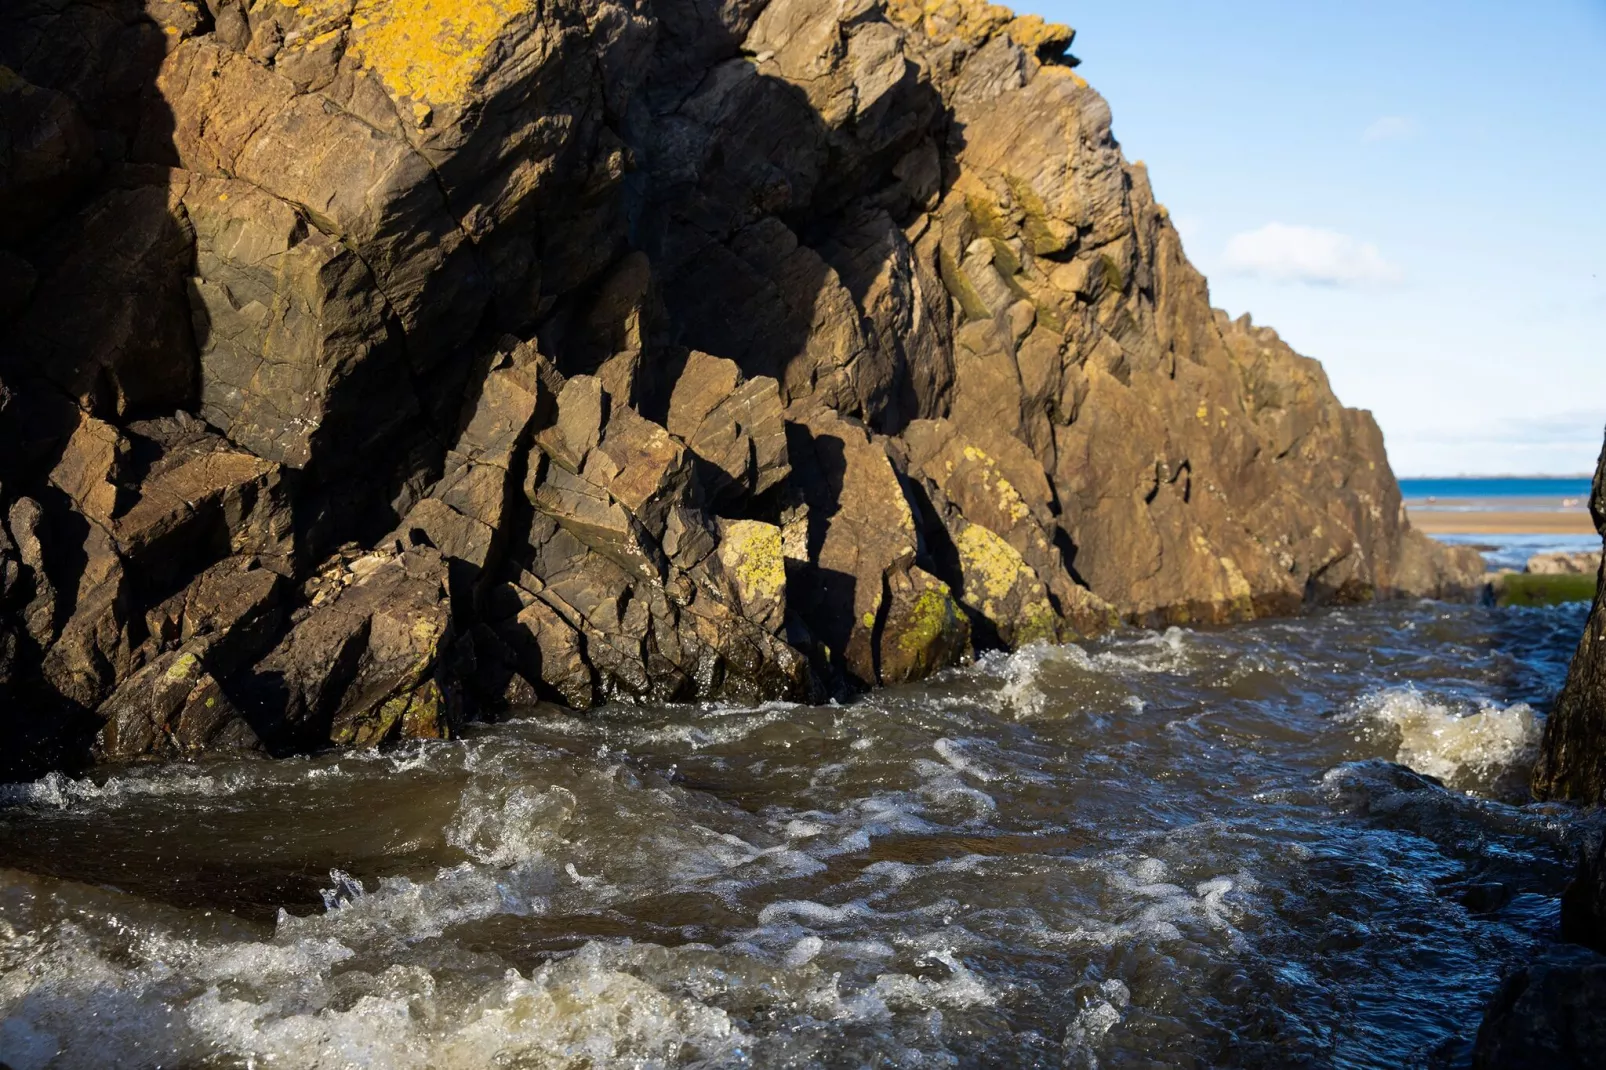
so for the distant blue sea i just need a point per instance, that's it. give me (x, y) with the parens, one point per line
(1513, 551)
(1494, 488)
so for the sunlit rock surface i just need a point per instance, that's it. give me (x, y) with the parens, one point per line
(571, 296)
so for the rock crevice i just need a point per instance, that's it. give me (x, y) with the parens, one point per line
(371, 366)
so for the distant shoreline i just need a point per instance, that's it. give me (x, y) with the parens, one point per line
(1502, 522)
(1503, 476)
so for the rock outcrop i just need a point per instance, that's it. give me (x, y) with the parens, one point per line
(1563, 564)
(1572, 758)
(370, 365)
(1548, 1014)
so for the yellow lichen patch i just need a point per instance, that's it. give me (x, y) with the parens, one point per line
(754, 558)
(990, 564)
(1035, 35)
(974, 21)
(1003, 491)
(994, 571)
(933, 616)
(432, 50)
(183, 667)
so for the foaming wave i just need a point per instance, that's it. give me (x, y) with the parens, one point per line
(57, 791)
(1022, 674)
(1473, 749)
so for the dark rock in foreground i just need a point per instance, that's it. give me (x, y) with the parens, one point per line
(368, 369)
(1572, 762)
(1549, 1015)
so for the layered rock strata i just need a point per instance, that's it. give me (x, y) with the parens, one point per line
(1572, 761)
(369, 365)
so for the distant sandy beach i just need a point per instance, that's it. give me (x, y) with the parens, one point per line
(1496, 521)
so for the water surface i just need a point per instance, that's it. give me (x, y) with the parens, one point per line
(1183, 849)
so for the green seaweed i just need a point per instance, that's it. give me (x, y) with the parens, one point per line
(1529, 589)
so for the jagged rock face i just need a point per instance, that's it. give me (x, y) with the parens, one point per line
(628, 349)
(1572, 758)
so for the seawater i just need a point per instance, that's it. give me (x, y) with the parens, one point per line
(1497, 487)
(1291, 843)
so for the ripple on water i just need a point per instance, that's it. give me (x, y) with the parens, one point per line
(1187, 848)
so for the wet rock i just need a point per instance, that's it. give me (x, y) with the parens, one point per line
(923, 629)
(535, 646)
(173, 708)
(1572, 757)
(362, 662)
(1549, 1014)
(1583, 902)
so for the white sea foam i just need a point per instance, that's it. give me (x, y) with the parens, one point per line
(62, 792)
(1104, 1009)
(1463, 746)
(1021, 673)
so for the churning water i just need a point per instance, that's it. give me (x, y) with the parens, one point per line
(1185, 849)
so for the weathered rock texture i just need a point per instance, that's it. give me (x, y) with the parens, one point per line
(1572, 760)
(369, 364)
(1548, 1015)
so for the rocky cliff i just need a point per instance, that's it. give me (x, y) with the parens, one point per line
(370, 364)
(1572, 761)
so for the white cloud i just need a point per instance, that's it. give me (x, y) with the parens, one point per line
(1308, 254)
(1562, 443)
(1391, 128)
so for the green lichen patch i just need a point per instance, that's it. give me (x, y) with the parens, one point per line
(960, 288)
(1529, 589)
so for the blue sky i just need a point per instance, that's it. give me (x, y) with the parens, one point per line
(1412, 192)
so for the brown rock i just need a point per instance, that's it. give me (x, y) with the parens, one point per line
(236, 606)
(173, 708)
(934, 390)
(47, 154)
(467, 507)
(732, 425)
(109, 323)
(364, 664)
(1564, 564)
(198, 500)
(923, 629)
(861, 530)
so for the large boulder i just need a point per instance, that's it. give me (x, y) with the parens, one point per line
(373, 358)
(363, 661)
(1547, 1015)
(1572, 757)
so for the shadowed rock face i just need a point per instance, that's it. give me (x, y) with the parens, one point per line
(368, 365)
(1572, 759)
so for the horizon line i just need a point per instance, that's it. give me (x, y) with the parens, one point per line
(1505, 475)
